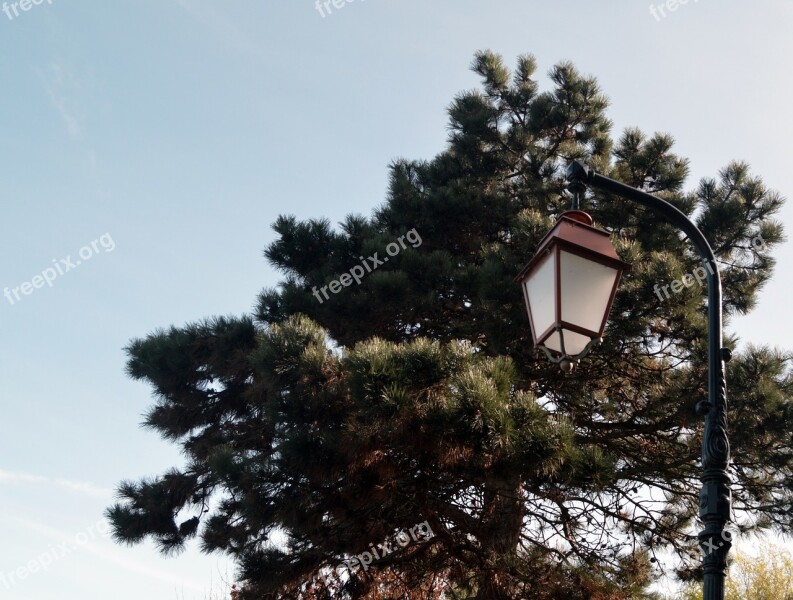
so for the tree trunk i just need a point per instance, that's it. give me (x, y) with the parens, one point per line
(502, 521)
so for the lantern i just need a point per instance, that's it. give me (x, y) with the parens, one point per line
(569, 288)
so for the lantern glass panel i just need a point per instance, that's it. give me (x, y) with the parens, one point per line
(574, 343)
(586, 288)
(541, 294)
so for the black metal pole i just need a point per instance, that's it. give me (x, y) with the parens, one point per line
(715, 498)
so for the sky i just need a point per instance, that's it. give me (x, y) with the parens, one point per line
(146, 146)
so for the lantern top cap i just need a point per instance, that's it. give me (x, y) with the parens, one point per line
(574, 230)
(577, 215)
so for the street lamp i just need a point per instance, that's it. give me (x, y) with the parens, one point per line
(569, 287)
(545, 288)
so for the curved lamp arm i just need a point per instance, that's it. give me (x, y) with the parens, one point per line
(715, 497)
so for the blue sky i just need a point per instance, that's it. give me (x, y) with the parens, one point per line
(177, 130)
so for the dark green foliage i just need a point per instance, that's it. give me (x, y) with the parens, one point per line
(315, 429)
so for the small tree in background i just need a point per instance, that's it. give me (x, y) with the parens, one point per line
(767, 575)
(416, 395)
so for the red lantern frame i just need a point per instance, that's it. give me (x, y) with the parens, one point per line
(573, 233)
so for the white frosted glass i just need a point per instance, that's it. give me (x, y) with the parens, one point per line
(541, 292)
(585, 288)
(552, 343)
(574, 343)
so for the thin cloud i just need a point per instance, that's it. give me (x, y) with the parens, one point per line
(80, 487)
(106, 552)
(58, 82)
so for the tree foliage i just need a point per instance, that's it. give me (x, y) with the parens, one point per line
(767, 575)
(313, 429)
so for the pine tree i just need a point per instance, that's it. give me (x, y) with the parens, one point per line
(329, 421)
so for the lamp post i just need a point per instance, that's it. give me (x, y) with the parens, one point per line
(563, 298)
